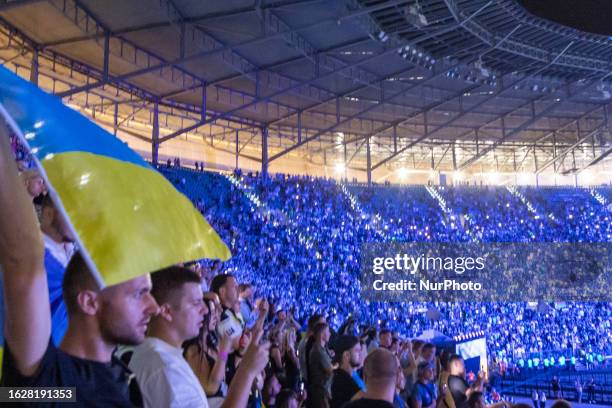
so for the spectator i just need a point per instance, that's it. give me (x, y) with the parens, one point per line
(556, 387)
(207, 355)
(164, 376)
(449, 402)
(348, 357)
(319, 368)
(287, 399)
(457, 385)
(535, 398)
(99, 318)
(231, 323)
(398, 400)
(591, 391)
(35, 184)
(578, 387)
(59, 248)
(380, 373)
(305, 344)
(291, 364)
(385, 338)
(428, 353)
(542, 399)
(247, 307)
(424, 393)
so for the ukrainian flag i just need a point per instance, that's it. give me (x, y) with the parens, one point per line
(128, 218)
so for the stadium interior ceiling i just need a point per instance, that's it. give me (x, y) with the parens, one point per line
(375, 90)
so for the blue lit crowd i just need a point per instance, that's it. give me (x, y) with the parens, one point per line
(295, 230)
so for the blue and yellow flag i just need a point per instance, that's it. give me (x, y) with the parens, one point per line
(128, 218)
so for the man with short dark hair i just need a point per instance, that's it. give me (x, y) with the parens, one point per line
(380, 371)
(385, 338)
(164, 376)
(458, 387)
(348, 356)
(99, 319)
(428, 353)
(231, 323)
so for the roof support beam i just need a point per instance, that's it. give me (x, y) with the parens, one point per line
(345, 120)
(596, 160)
(218, 48)
(568, 150)
(268, 97)
(525, 125)
(306, 48)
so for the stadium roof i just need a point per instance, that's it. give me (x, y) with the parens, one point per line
(429, 84)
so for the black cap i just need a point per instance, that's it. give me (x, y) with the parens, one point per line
(342, 344)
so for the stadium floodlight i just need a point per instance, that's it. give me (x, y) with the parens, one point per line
(340, 167)
(586, 177)
(402, 172)
(494, 177)
(523, 178)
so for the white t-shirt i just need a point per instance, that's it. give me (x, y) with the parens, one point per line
(164, 376)
(62, 252)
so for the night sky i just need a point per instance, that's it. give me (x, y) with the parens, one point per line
(593, 16)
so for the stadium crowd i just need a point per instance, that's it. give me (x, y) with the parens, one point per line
(264, 329)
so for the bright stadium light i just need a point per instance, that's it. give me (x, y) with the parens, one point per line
(523, 178)
(458, 176)
(493, 177)
(586, 177)
(340, 167)
(402, 172)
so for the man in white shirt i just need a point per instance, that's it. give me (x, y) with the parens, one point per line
(164, 376)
